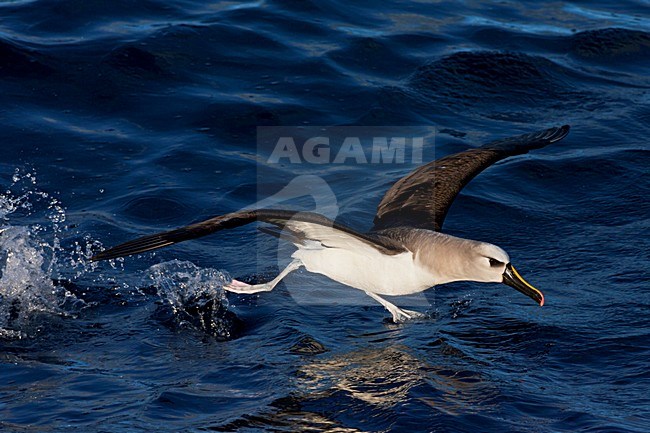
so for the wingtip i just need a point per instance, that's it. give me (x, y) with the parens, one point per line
(523, 143)
(560, 133)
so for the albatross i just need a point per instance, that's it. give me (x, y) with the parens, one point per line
(405, 252)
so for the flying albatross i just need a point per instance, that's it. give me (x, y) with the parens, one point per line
(403, 253)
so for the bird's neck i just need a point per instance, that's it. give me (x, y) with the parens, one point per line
(444, 256)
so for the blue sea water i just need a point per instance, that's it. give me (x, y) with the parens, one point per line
(123, 118)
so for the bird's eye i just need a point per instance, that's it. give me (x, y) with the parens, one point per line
(494, 262)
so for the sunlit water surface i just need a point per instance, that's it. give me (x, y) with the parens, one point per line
(124, 118)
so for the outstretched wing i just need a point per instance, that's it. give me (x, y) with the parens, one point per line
(422, 198)
(307, 225)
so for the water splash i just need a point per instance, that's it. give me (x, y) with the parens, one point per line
(29, 255)
(192, 297)
(45, 268)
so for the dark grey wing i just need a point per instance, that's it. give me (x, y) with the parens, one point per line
(277, 217)
(422, 198)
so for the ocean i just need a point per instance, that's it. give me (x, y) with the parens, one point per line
(120, 119)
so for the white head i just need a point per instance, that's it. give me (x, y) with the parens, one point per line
(489, 263)
(483, 262)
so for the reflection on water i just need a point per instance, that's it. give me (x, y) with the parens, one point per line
(382, 378)
(388, 377)
(369, 387)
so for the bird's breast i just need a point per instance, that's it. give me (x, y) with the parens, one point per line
(368, 269)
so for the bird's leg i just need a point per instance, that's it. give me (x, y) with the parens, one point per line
(399, 314)
(236, 286)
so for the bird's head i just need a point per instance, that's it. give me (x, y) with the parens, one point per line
(489, 263)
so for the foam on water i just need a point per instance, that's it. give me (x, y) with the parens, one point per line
(29, 253)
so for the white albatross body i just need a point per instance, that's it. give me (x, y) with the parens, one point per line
(369, 271)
